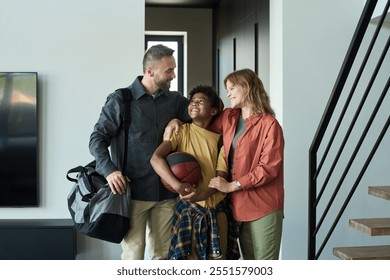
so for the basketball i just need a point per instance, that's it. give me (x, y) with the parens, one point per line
(185, 167)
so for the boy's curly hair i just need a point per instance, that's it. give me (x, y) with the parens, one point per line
(215, 100)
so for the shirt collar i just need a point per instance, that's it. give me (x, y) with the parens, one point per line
(253, 119)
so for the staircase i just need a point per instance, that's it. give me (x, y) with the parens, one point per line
(372, 227)
(329, 163)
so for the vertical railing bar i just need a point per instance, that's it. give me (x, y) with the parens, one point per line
(312, 211)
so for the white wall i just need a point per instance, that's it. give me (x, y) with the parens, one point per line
(82, 50)
(316, 36)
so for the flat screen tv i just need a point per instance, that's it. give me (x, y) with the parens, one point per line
(18, 139)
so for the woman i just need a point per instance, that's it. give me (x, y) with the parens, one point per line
(254, 144)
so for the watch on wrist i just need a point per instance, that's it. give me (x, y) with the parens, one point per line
(238, 185)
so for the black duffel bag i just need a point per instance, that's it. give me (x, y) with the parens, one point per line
(96, 211)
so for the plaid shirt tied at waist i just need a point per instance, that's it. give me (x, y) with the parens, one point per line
(190, 217)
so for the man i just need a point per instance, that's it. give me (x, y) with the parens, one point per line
(153, 105)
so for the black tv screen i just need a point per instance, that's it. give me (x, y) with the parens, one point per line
(18, 139)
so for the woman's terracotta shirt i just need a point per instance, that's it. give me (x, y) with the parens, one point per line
(258, 163)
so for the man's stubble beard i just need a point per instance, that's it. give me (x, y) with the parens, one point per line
(164, 85)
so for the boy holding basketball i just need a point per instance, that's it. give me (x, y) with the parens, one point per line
(202, 224)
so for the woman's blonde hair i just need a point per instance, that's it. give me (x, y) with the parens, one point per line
(256, 96)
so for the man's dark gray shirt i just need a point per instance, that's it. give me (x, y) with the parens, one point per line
(149, 117)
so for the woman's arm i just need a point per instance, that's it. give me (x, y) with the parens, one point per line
(268, 162)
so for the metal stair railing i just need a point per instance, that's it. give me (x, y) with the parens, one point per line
(316, 169)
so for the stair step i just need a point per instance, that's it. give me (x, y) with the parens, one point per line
(380, 191)
(363, 253)
(372, 226)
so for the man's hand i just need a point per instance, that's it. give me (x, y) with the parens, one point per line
(117, 182)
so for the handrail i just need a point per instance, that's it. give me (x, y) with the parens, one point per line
(315, 170)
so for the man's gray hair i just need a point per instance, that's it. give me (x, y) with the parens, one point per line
(155, 53)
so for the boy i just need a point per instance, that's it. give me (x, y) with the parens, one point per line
(201, 223)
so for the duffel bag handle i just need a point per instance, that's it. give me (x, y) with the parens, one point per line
(77, 170)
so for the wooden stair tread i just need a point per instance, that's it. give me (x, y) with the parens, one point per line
(380, 191)
(372, 226)
(363, 252)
